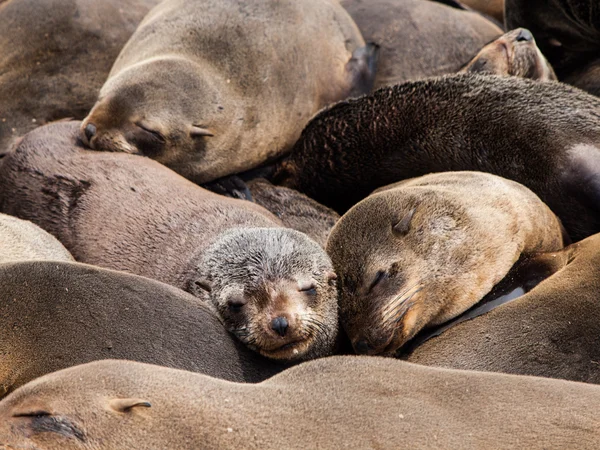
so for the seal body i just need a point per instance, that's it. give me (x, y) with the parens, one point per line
(120, 404)
(56, 56)
(21, 240)
(56, 315)
(542, 135)
(515, 54)
(243, 79)
(492, 8)
(425, 250)
(294, 209)
(551, 331)
(418, 38)
(129, 213)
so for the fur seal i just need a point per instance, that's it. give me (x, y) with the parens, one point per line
(56, 56)
(515, 54)
(542, 135)
(129, 213)
(492, 8)
(419, 38)
(338, 402)
(294, 209)
(55, 315)
(551, 331)
(433, 251)
(21, 240)
(243, 79)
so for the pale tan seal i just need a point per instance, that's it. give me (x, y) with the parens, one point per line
(514, 53)
(213, 88)
(21, 240)
(422, 251)
(273, 287)
(419, 38)
(332, 403)
(55, 315)
(55, 57)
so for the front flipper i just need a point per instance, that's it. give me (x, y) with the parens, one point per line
(231, 186)
(362, 69)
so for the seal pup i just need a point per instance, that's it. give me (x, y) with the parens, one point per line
(338, 402)
(294, 209)
(244, 78)
(56, 56)
(55, 315)
(419, 38)
(542, 135)
(551, 331)
(129, 213)
(21, 240)
(515, 54)
(422, 251)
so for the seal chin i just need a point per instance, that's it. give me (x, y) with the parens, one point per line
(288, 351)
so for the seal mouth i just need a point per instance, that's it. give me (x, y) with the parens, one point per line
(289, 350)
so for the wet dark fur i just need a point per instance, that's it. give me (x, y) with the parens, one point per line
(519, 129)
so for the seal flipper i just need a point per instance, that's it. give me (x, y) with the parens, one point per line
(230, 186)
(362, 69)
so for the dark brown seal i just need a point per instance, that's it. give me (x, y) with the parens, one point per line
(514, 54)
(423, 251)
(552, 331)
(294, 209)
(56, 56)
(419, 38)
(542, 135)
(125, 212)
(55, 315)
(339, 402)
(243, 79)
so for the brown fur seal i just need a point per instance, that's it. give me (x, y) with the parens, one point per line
(545, 136)
(21, 240)
(515, 54)
(56, 56)
(422, 251)
(332, 403)
(124, 212)
(55, 315)
(567, 32)
(243, 79)
(294, 209)
(492, 8)
(552, 331)
(419, 38)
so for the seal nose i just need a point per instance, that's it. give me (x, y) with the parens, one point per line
(280, 325)
(90, 131)
(524, 36)
(362, 347)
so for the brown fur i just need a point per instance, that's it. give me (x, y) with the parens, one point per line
(243, 80)
(294, 209)
(492, 8)
(545, 136)
(419, 38)
(129, 213)
(21, 240)
(566, 32)
(55, 57)
(552, 331)
(422, 251)
(55, 315)
(514, 54)
(331, 403)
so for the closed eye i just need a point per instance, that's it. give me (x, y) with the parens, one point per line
(379, 277)
(33, 414)
(154, 133)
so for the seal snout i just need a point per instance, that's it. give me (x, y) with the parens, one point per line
(87, 133)
(280, 325)
(524, 35)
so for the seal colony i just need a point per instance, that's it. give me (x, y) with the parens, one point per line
(434, 249)
(237, 94)
(273, 287)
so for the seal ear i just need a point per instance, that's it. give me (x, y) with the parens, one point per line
(199, 131)
(199, 288)
(403, 226)
(330, 276)
(124, 405)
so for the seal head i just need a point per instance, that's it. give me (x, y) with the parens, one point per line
(274, 289)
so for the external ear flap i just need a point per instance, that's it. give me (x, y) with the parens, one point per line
(198, 131)
(403, 227)
(199, 288)
(124, 405)
(330, 275)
